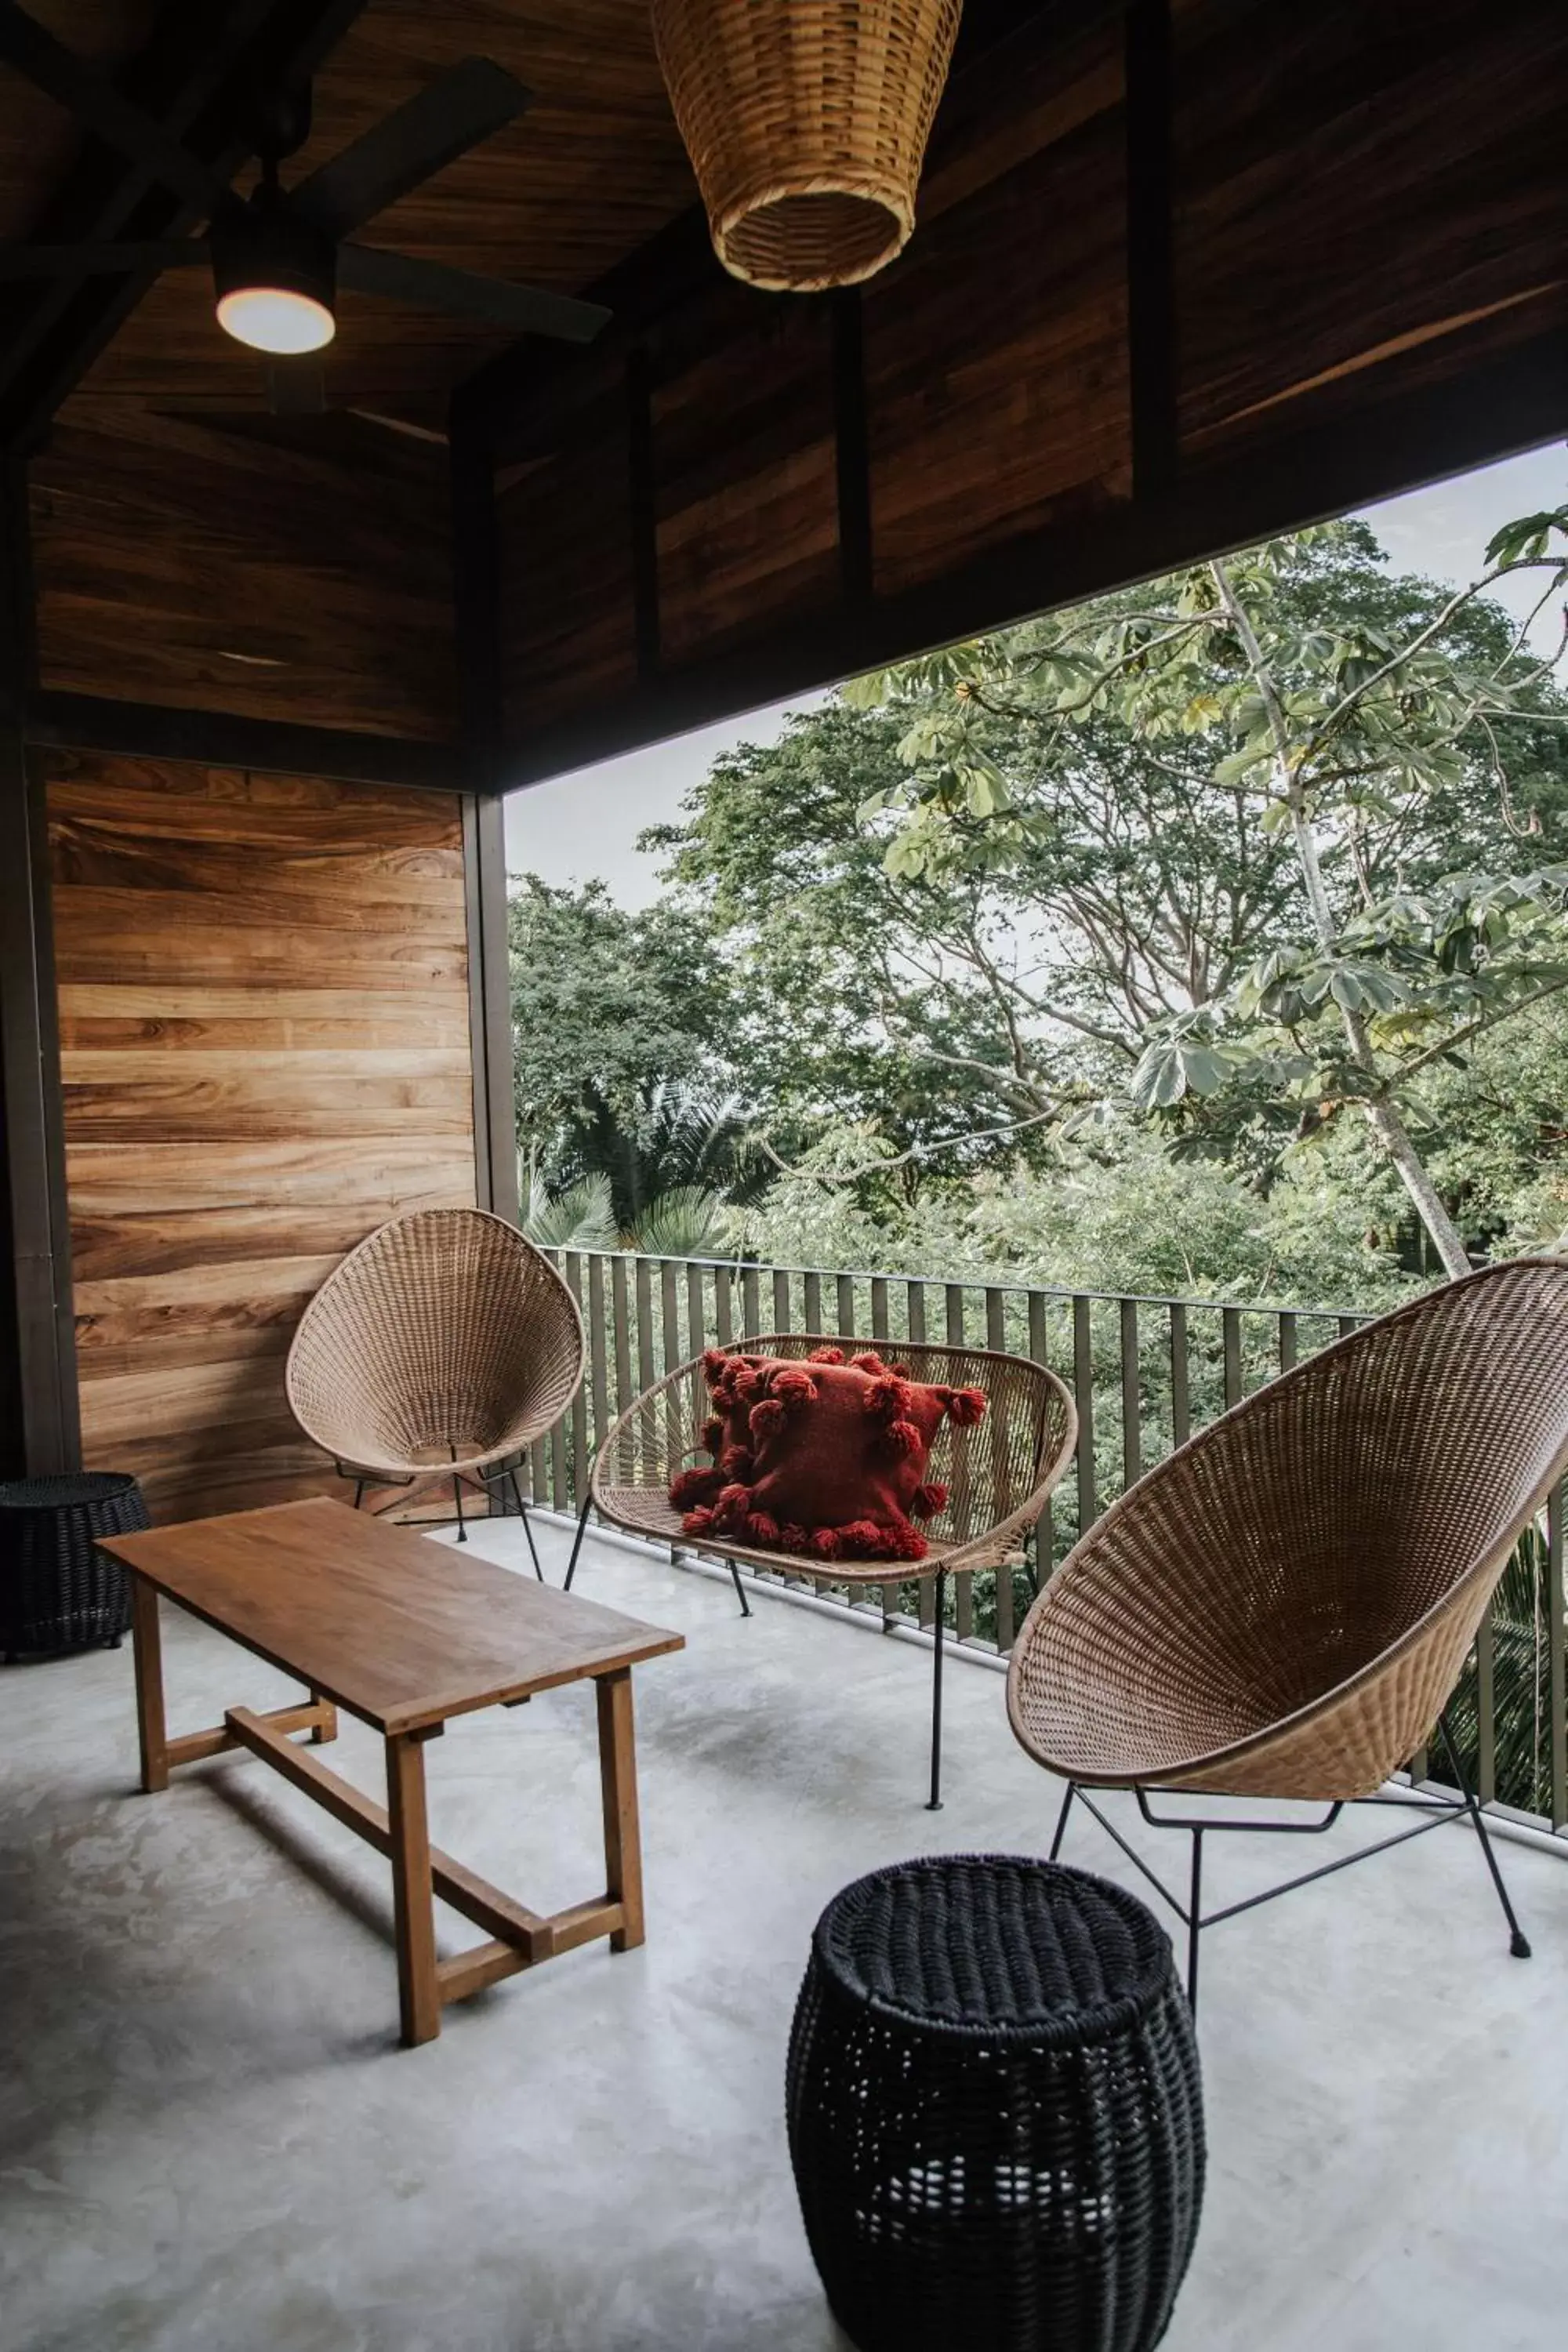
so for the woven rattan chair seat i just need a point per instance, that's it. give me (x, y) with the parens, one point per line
(999, 1474)
(1282, 1607)
(444, 1340)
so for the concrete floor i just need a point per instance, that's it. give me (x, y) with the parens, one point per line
(209, 2141)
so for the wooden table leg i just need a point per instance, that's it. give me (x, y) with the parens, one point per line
(151, 1721)
(418, 1986)
(618, 1780)
(328, 1727)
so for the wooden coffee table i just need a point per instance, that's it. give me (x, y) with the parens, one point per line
(405, 1634)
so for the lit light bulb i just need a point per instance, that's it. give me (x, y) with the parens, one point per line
(275, 319)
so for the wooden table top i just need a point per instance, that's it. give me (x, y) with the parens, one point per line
(401, 1632)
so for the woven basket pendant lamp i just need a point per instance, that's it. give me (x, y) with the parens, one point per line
(806, 122)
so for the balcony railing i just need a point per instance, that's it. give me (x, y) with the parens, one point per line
(1144, 1371)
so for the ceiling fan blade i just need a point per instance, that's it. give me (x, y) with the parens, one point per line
(407, 146)
(90, 260)
(431, 285)
(297, 387)
(99, 106)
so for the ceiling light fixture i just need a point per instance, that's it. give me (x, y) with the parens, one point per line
(275, 277)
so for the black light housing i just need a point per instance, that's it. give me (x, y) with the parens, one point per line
(275, 277)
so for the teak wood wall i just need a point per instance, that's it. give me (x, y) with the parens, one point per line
(265, 1045)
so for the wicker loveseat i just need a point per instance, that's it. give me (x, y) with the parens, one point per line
(999, 1474)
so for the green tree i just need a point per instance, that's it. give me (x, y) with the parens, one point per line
(613, 1014)
(1359, 735)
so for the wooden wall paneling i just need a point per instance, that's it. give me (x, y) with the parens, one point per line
(997, 345)
(291, 572)
(1360, 211)
(748, 515)
(1364, 285)
(568, 614)
(265, 1050)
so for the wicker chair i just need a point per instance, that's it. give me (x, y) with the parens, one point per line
(999, 1475)
(436, 1352)
(1282, 1609)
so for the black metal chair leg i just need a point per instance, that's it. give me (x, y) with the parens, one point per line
(934, 1804)
(577, 1545)
(457, 1499)
(740, 1589)
(1062, 1820)
(1195, 1919)
(1519, 1943)
(359, 1484)
(527, 1529)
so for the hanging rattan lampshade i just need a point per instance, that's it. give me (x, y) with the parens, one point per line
(806, 124)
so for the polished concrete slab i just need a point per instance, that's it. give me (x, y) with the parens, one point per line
(210, 2142)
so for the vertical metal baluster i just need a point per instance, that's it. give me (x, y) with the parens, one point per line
(560, 1492)
(781, 1299)
(579, 1403)
(1181, 1394)
(723, 1298)
(1083, 1397)
(696, 1329)
(846, 1306)
(880, 1326)
(1230, 1321)
(646, 1469)
(645, 1325)
(996, 1340)
(1045, 1526)
(621, 1326)
(676, 1437)
(1485, 1708)
(1287, 1343)
(1348, 1323)
(1559, 1658)
(963, 1596)
(813, 1307)
(598, 1349)
(1131, 1404)
(751, 1303)
(917, 1296)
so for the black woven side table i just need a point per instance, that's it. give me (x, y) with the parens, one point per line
(57, 1591)
(995, 2114)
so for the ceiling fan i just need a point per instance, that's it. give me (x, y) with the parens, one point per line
(278, 257)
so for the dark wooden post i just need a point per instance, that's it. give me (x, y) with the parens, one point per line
(477, 599)
(39, 1425)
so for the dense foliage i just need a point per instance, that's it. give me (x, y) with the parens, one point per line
(1206, 939)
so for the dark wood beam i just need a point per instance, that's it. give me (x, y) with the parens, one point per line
(852, 447)
(216, 739)
(198, 77)
(477, 621)
(642, 509)
(1516, 402)
(39, 1425)
(1150, 246)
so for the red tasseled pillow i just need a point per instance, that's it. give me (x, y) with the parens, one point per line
(822, 1458)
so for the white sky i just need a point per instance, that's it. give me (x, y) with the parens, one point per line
(586, 824)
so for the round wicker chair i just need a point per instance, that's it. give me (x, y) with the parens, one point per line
(999, 1474)
(1282, 1607)
(440, 1348)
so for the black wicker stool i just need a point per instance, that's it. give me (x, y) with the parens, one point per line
(995, 2114)
(57, 1591)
